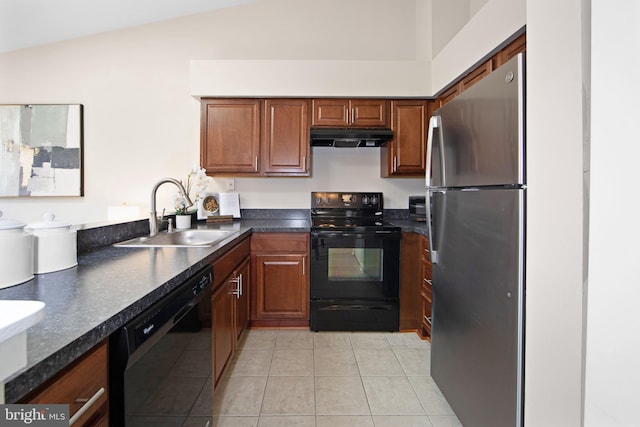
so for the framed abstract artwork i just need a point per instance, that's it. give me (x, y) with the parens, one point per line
(41, 150)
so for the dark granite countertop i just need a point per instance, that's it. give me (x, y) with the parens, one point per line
(110, 286)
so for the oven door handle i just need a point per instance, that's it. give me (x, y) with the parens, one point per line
(380, 234)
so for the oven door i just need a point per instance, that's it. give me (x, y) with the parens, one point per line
(348, 265)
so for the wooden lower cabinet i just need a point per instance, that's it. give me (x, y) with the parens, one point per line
(410, 282)
(223, 335)
(241, 280)
(416, 293)
(85, 379)
(280, 279)
(426, 293)
(229, 305)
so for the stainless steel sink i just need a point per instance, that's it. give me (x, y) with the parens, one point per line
(186, 238)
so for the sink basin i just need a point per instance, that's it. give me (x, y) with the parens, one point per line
(177, 239)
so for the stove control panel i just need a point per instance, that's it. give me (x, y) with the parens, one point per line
(341, 200)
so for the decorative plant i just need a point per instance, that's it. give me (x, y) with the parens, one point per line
(196, 180)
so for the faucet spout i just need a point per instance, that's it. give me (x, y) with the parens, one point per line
(153, 219)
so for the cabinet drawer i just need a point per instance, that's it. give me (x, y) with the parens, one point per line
(280, 242)
(426, 291)
(424, 248)
(224, 266)
(77, 385)
(426, 270)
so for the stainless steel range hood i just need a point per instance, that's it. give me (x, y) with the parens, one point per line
(350, 137)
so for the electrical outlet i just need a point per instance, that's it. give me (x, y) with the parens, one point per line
(231, 184)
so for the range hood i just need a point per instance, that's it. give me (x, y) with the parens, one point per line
(350, 137)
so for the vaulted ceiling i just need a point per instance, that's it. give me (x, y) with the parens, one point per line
(27, 23)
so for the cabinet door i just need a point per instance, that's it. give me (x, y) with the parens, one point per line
(448, 95)
(410, 282)
(369, 113)
(426, 294)
(230, 136)
(241, 305)
(475, 76)
(511, 50)
(83, 385)
(223, 336)
(282, 290)
(286, 147)
(405, 154)
(330, 112)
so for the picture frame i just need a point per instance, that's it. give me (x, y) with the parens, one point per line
(41, 150)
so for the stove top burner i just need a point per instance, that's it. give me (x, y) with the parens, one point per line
(336, 211)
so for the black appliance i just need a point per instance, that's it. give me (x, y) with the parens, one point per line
(355, 258)
(128, 345)
(417, 210)
(350, 137)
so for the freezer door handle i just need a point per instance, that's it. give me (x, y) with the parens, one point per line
(435, 124)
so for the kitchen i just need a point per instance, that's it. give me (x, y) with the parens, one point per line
(104, 74)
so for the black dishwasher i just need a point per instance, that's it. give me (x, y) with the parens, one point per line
(138, 337)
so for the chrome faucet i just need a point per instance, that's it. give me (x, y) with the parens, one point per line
(153, 219)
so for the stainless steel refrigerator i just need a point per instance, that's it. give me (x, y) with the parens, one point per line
(476, 191)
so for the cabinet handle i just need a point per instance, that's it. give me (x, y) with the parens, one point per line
(304, 163)
(240, 285)
(353, 115)
(256, 164)
(429, 281)
(303, 266)
(86, 406)
(427, 319)
(395, 164)
(236, 289)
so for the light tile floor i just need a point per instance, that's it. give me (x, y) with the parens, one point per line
(301, 378)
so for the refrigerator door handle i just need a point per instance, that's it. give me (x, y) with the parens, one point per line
(433, 252)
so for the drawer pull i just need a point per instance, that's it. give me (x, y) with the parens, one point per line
(87, 404)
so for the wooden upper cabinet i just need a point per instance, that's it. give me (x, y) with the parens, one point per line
(230, 136)
(512, 49)
(330, 112)
(475, 76)
(285, 146)
(350, 113)
(369, 112)
(448, 95)
(460, 85)
(405, 154)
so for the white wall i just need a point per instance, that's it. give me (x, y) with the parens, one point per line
(141, 122)
(613, 338)
(450, 18)
(556, 131)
